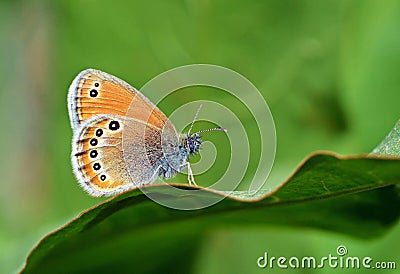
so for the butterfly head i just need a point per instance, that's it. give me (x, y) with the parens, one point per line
(191, 143)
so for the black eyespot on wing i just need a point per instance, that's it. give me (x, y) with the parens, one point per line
(94, 93)
(114, 125)
(96, 166)
(99, 132)
(94, 142)
(93, 153)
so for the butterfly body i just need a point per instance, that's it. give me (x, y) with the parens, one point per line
(122, 140)
(176, 156)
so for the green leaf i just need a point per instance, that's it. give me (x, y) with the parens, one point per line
(132, 232)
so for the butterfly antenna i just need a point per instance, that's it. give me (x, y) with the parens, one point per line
(195, 117)
(211, 129)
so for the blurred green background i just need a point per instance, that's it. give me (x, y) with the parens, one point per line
(329, 71)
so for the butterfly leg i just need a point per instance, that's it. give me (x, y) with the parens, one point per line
(190, 175)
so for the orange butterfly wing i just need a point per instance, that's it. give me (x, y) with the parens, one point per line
(97, 157)
(95, 92)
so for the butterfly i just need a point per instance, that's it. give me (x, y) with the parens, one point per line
(121, 140)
